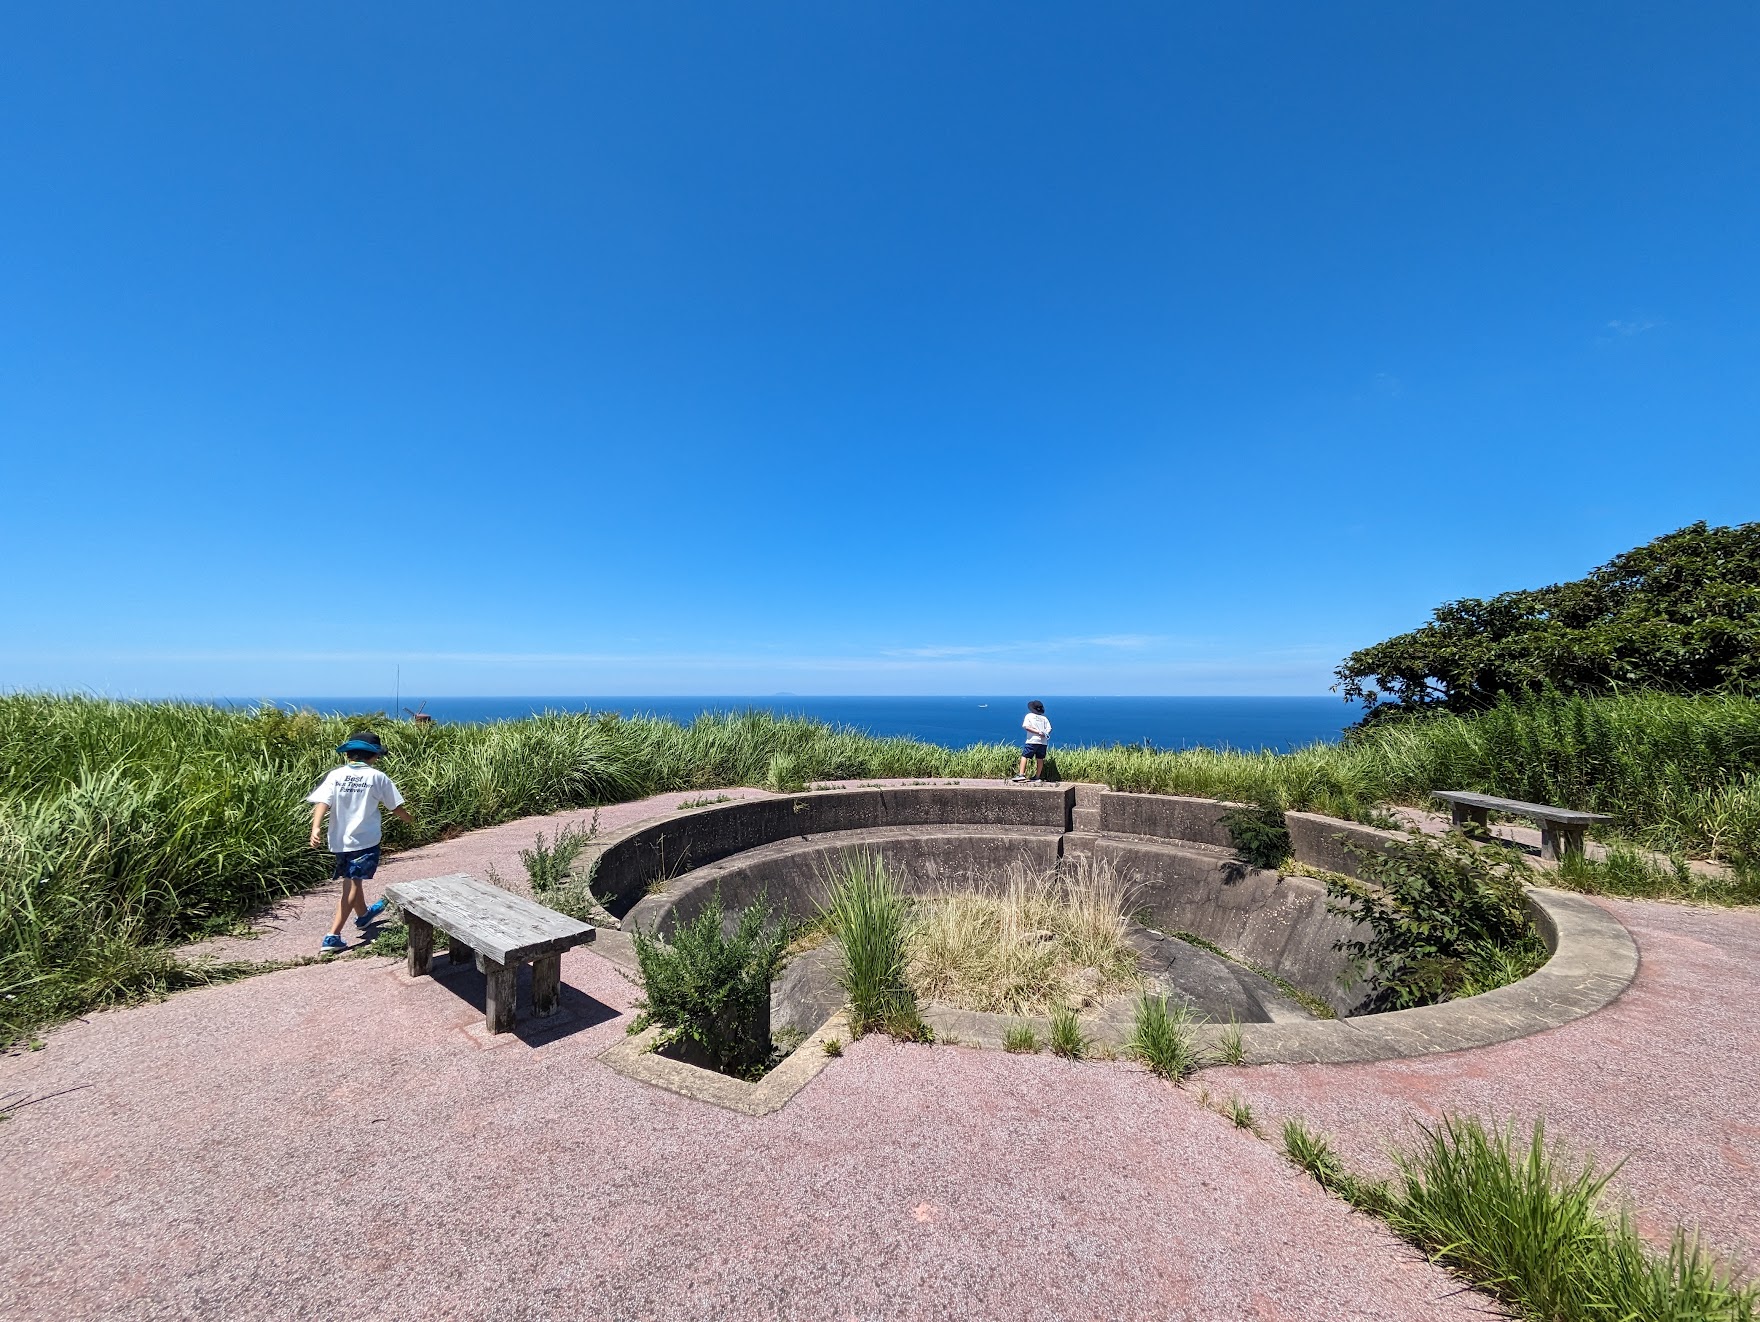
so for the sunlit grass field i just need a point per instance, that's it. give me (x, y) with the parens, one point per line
(128, 826)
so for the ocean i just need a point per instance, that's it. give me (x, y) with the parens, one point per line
(1279, 724)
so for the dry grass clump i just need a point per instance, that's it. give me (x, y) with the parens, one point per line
(1044, 940)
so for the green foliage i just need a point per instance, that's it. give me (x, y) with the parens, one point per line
(1067, 1038)
(710, 990)
(871, 917)
(1021, 1040)
(1507, 1216)
(550, 868)
(1240, 1114)
(832, 1046)
(1438, 910)
(1163, 1038)
(1681, 614)
(1315, 1155)
(392, 939)
(1628, 871)
(1260, 835)
(154, 823)
(1232, 1048)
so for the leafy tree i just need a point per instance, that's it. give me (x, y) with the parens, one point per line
(1681, 613)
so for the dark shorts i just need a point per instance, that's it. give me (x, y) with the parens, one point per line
(357, 864)
(1032, 750)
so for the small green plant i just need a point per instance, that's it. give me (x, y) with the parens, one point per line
(1163, 1038)
(1260, 834)
(1231, 1048)
(711, 991)
(548, 862)
(706, 801)
(870, 915)
(1435, 909)
(1067, 1038)
(832, 1046)
(1238, 1111)
(1315, 1155)
(393, 939)
(1021, 1039)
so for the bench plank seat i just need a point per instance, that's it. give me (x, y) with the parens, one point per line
(500, 930)
(1561, 829)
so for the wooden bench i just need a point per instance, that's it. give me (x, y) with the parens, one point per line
(501, 931)
(1561, 829)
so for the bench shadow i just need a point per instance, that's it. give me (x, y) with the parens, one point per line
(576, 1012)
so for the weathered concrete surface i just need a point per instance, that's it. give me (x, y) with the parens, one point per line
(629, 862)
(1167, 817)
(1663, 1077)
(1279, 922)
(334, 1141)
(1327, 842)
(807, 992)
(792, 874)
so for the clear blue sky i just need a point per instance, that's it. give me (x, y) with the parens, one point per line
(850, 348)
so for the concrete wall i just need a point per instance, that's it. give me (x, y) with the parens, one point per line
(792, 874)
(1326, 842)
(1167, 817)
(1280, 923)
(631, 861)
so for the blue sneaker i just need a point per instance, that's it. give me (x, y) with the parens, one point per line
(374, 909)
(332, 946)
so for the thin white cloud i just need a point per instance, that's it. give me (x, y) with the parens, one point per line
(1636, 326)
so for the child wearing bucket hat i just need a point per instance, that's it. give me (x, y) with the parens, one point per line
(353, 794)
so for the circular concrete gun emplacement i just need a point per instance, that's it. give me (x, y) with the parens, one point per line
(1265, 957)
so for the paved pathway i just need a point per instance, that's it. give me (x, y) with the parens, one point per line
(339, 1140)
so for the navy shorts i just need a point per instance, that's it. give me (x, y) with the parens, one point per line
(357, 864)
(1032, 750)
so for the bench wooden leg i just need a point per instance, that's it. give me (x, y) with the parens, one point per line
(1556, 841)
(421, 944)
(546, 984)
(500, 984)
(457, 952)
(1463, 813)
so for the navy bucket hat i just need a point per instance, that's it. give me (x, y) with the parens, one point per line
(362, 741)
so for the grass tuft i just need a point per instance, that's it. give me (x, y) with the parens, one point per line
(1021, 1039)
(871, 917)
(1163, 1038)
(1067, 1038)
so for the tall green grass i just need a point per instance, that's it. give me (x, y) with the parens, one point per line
(125, 825)
(1507, 1214)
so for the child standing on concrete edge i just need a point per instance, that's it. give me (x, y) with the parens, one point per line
(353, 794)
(1038, 736)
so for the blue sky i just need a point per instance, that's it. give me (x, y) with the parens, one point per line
(849, 348)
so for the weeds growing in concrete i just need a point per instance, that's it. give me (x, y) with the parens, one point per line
(1241, 1114)
(1021, 1039)
(871, 917)
(1231, 1047)
(1163, 1038)
(1067, 1038)
(1507, 1214)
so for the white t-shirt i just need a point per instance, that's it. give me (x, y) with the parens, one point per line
(1037, 727)
(354, 793)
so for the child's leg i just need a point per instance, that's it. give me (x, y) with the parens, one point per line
(352, 902)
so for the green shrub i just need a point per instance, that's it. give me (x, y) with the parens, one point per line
(1163, 1038)
(1440, 911)
(871, 916)
(711, 991)
(1260, 835)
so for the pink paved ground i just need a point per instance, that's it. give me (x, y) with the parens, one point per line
(338, 1140)
(1667, 1077)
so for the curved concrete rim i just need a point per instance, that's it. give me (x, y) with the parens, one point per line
(1594, 959)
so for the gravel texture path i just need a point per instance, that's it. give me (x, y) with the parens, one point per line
(341, 1141)
(1666, 1078)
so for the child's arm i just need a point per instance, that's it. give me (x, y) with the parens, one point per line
(318, 823)
(403, 812)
